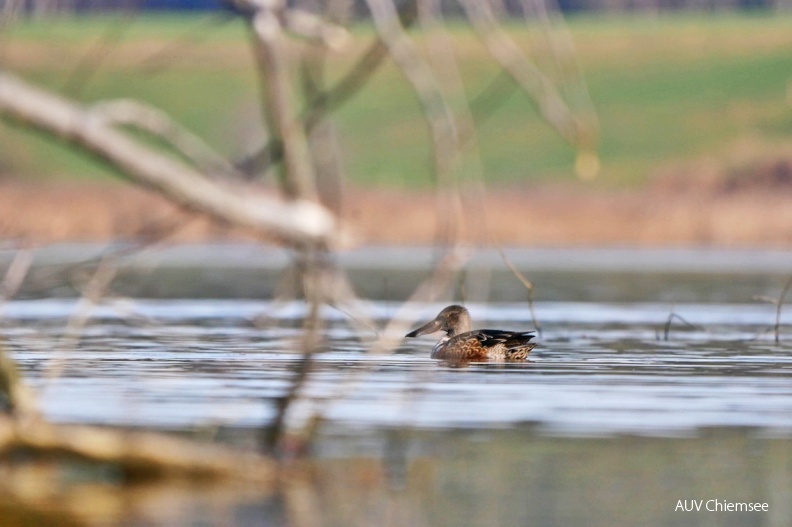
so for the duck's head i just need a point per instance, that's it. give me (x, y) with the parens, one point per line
(453, 320)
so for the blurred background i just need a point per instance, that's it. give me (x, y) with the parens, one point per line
(693, 102)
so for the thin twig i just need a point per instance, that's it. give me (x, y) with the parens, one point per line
(437, 113)
(529, 286)
(127, 112)
(311, 270)
(93, 292)
(670, 319)
(539, 87)
(331, 99)
(92, 60)
(168, 54)
(468, 167)
(15, 275)
(322, 138)
(779, 304)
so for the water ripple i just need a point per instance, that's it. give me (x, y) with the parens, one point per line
(600, 369)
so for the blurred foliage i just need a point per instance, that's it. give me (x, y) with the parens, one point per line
(667, 89)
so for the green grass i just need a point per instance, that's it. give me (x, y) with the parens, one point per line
(666, 89)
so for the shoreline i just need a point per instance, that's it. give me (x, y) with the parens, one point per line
(537, 216)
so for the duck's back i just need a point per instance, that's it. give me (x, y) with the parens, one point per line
(486, 344)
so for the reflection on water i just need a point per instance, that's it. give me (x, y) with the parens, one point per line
(416, 478)
(516, 478)
(613, 420)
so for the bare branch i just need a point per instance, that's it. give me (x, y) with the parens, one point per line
(15, 275)
(312, 27)
(90, 63)
(296, 222)
(670, 319)
(156, 122)
(419, 74)
(322, 137)
(327, 101)
(549, 102)
(297, 177)
(778, 303)
(529, 286)
(439, 117)
(91, 294)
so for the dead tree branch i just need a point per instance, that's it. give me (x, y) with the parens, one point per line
(299, 221)
(127, 112)
(307, 25)
(405, 54)
(439, 117)
(297, 176)
(528, 76)
(328, 100)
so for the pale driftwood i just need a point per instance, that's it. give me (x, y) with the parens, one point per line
(138, 454)
(298, 221)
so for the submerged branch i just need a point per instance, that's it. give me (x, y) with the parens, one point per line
(670, 319)
(92, 293)
(778, 303)
(14, 395)
(138, 454)
(15, 275)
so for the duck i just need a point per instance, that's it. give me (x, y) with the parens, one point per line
(462, 343)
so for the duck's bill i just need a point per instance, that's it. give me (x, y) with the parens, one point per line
(431, 327)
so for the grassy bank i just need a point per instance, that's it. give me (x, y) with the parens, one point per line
(666, 89)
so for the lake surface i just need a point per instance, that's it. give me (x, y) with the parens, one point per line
(617, 416)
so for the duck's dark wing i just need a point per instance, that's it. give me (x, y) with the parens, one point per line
(511, 340)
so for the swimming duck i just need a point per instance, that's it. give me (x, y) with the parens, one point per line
(462, 343)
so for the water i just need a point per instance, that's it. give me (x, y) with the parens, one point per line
(600, 369)
(612, 399)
